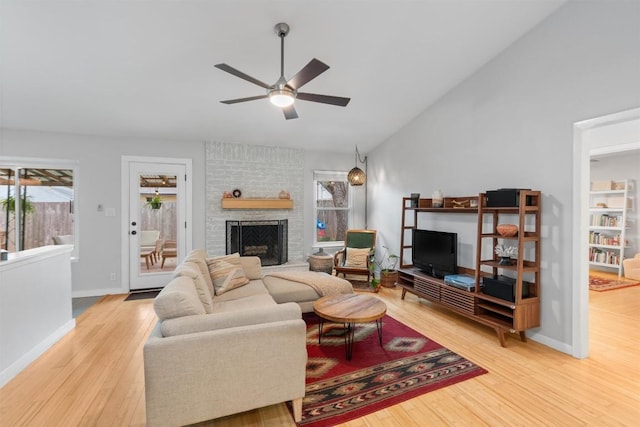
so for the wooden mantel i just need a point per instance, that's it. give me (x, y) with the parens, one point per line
(256, 203)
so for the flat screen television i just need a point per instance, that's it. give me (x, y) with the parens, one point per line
(435, 252)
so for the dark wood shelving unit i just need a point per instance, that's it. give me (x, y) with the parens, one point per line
(503, 315)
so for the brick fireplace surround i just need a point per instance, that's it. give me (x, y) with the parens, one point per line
(257, 171)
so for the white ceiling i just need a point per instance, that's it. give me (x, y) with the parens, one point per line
(145, 68)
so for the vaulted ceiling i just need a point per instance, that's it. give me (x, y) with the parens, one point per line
(145, 69)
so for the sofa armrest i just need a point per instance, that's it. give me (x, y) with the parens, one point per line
(196, 377)
(214, 321)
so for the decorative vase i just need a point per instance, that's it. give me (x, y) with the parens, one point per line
(437, 197)
(507, 230)
(505, 260)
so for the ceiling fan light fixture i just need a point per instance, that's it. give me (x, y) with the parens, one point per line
(281, 98)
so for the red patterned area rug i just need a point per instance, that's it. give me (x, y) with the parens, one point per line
(407, 365)
(600, 284)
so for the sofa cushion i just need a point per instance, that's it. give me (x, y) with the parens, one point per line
(254, 287)
(224, 320)
(179, 298)
(199, 257)
(252, 267)
(357, 257)
(283, 290)
(226, 276)
(191, 270)
(246, 303)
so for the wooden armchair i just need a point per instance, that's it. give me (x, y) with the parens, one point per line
(354, 258)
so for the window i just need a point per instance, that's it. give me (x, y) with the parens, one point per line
(332, 208)
(37, 203)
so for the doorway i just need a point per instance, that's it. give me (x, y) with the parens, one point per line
(623, 130)
(156, 218)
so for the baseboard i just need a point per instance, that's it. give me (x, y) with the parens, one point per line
(550, 342)
(98, 292)
(16, 367)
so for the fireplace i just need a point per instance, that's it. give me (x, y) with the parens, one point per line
(265, 239)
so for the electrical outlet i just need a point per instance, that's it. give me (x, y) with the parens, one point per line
(112, 276)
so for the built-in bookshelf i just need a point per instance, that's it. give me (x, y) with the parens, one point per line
(609, 205)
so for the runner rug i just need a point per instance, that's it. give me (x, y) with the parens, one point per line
(600, 284)
(407, 365)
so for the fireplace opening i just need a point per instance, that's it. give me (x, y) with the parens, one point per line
(265, 239)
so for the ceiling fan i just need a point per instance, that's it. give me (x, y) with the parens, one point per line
(284, 92)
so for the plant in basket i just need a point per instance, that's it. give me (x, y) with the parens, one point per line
(387, 265)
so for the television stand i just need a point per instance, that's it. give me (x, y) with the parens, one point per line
(499, 315)
(503, 315)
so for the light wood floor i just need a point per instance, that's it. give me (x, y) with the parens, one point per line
(94, 375)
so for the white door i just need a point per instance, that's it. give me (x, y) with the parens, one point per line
(157, 221)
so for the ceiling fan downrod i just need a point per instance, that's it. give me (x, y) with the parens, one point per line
(281, 30)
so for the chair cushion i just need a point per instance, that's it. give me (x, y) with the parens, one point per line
(67, 239)
(357, 257)
(226, 276)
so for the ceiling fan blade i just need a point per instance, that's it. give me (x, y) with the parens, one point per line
(290, 112)
(229, 69)
(325, 99)
(309, 72)
(251, 98)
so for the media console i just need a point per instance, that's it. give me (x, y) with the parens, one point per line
(433, 289)
(505, 315)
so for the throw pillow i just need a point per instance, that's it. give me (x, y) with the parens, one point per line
(357, 257)
(226, 276)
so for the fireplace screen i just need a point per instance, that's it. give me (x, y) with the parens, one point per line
(264, 239)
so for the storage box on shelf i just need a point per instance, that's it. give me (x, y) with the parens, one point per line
(519, 307)
(609, 207)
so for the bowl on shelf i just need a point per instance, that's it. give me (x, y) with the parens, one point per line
(507, 230)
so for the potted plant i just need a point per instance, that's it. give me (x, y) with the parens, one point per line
(154, 202)
(387, 265)
(9, 205)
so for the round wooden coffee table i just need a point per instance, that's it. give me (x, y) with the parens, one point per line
(350, 309)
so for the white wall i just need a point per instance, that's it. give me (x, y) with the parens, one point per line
(100, 162)
(511, 125)
(99, 169)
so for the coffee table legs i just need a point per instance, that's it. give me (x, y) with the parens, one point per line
(349, 336)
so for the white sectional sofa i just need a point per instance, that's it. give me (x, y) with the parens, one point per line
(224, 344)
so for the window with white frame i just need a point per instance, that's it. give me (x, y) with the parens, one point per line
(333, 208)
(37, 203)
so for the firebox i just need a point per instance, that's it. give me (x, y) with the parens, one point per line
(265, 239)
